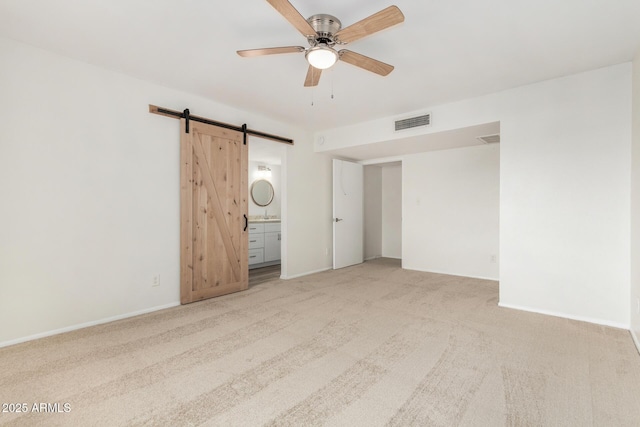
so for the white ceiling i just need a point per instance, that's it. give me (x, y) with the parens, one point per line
(444, 51)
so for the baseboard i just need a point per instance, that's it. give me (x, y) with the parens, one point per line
(295, 276)
(635, 340)
(265, 264)
(86, 325)
(566, 316)
(382, 256)
(493, 279)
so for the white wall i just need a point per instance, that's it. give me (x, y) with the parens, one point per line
(635, 206)
(309, 213)
(372, 212)
(392, 211)
(564, 189)
(451, 211)
(565, 183)
(89, 193)
(274, 207)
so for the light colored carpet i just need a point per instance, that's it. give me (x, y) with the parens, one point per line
(364, 346)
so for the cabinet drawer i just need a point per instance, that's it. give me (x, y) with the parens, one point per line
(271, 226)
(256, 228)
(256, 241)
(256, 256)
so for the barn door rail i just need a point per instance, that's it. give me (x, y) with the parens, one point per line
(188, 116)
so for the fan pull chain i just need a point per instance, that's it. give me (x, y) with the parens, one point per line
(332, 83)
(313, 88)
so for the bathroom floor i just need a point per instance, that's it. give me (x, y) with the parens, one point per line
(264, 274)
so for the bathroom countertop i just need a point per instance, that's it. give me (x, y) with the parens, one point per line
(264, 220)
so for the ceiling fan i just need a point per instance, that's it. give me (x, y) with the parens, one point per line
(323, 32)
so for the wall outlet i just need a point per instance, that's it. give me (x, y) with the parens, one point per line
(155, 280)
(494, 259)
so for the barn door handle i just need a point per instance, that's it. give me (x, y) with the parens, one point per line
(246, 222)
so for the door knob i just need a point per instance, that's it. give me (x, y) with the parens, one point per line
(338, 219)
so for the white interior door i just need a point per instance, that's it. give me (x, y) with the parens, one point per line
(348, 221)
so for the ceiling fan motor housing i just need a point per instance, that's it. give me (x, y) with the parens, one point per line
(326, 26)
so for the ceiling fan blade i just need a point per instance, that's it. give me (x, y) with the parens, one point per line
(292, 15)
(374, 23)
(365, 62)
(270, 51)
(313, 77)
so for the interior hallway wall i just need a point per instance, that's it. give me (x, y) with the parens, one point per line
(452, 202)
(392, 211)
(635, 205)
(372, 212)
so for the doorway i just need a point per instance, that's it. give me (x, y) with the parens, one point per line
(266, 208)
(383, 211)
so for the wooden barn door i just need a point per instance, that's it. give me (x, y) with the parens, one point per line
(213, 209)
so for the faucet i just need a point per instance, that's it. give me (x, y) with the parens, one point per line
(265, 214)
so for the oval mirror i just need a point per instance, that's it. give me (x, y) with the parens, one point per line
(262, 192)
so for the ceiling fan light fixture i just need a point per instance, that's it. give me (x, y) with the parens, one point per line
(321, 57)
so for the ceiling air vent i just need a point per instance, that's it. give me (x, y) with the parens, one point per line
(413, 122)
(490, 139)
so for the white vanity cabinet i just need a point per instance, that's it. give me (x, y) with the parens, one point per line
(264, 244)
(272, 239)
